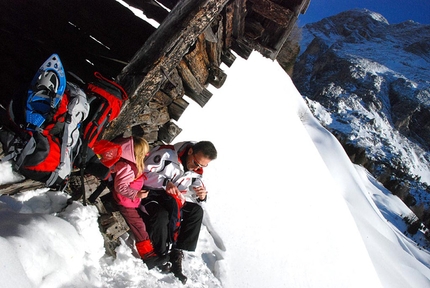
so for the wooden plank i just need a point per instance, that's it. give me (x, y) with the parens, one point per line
(162, 98)
(304, 6)
(162, 52)
(214, 43)
(228, 24)
(239, 18)
(174, 86)
(198, 60)
(25, 185)
(272, 11)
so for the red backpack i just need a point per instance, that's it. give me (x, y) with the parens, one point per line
(106, 99)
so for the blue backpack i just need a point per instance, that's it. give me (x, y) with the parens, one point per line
(45, 146)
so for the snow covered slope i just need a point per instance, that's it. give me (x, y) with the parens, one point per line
(368, 82)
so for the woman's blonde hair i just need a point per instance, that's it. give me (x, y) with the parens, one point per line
(141, 148)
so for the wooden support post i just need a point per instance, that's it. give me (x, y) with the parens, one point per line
(168, 132)
(228, 58)
(177, 108)
(242, 48)
(217, 77)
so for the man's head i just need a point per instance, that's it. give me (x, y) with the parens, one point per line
(200, 155)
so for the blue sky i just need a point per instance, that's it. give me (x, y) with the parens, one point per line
(395, 11)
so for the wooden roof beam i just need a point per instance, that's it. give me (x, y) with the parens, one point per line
(304, 6)
(150, 8)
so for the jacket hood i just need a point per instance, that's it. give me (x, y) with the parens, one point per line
(127, 147)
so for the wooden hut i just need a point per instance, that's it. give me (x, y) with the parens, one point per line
(158, 64)
(170, 49)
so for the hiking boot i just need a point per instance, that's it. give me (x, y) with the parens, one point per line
(165, 268)
(154, 260)
(148, 255)
(176, 257)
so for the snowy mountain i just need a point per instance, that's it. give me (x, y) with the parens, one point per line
(293, 213)
(367, 81)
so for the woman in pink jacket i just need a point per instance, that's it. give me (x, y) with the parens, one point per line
(127, 192)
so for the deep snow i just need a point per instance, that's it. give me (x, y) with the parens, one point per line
(285, 202)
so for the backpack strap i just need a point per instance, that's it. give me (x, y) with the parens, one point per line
(55, 174)
(27, 150)
(15, 152)
(124, 95)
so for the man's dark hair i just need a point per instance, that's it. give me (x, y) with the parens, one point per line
(207, 148)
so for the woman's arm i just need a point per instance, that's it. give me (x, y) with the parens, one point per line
(124, 182)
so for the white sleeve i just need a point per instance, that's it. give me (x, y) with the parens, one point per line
(161, 166)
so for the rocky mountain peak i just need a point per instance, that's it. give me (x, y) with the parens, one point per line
(368, 82)
(352, 25)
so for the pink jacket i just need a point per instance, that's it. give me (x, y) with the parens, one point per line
(126, 181)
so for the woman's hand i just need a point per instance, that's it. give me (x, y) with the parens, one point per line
(142, 194)
(172, 189)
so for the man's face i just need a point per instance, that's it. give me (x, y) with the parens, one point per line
(196, 160)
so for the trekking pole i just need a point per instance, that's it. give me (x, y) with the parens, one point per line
(83, 165)
(84, 199)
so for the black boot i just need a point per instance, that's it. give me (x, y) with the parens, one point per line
(176, 257)
(154, 260)
(148, 255)
(165, 268)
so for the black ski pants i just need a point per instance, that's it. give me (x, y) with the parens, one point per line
(157, 220)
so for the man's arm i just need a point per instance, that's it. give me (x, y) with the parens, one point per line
(161, 167)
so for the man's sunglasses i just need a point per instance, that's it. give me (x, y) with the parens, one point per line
(197, 163)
